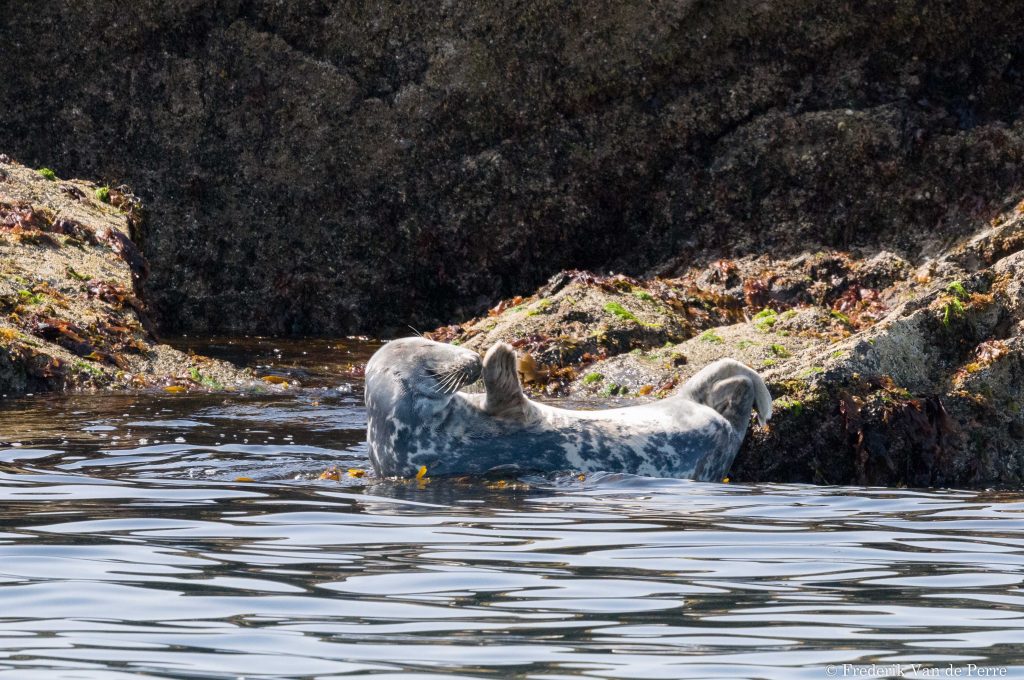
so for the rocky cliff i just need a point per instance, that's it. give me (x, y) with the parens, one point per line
(329, 167)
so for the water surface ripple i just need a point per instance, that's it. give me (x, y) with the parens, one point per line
(188, 536)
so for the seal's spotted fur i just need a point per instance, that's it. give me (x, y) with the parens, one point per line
(417, 417)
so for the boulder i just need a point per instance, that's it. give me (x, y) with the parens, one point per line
(72, 315)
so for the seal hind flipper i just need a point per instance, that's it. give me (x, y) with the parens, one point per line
(716, 386)
(733, 398)
(504, 396)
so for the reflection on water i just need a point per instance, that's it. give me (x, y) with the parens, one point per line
(129, 549)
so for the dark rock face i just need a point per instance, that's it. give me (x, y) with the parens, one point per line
(335, 167)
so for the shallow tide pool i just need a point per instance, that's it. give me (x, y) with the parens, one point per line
(190, 536)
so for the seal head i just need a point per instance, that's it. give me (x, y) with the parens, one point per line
(409, 385)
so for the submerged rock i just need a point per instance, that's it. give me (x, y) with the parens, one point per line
(71, 311)
(882, 372)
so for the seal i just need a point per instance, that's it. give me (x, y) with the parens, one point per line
(417, 416)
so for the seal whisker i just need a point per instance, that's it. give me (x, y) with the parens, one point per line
(466, 380)
(438, 374)
(457, 384)
(460, 382)
(439, 378)
(449, 379)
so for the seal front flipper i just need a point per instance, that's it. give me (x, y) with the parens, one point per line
(504, 398)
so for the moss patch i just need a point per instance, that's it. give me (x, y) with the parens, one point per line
(711, 336)
(29, 297)
(540, 308)
(953, 309)
(765, 319)
(644, 295)
(841, 318)
(957, 290)
(204, 380)
(614, 390)
(620, 311)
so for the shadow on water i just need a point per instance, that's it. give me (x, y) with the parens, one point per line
(190, 536)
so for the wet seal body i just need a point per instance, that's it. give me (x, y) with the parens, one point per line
(418, 417)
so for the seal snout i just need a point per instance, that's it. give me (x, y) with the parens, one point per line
(454, 372)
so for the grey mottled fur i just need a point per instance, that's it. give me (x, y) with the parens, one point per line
(418, 417)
